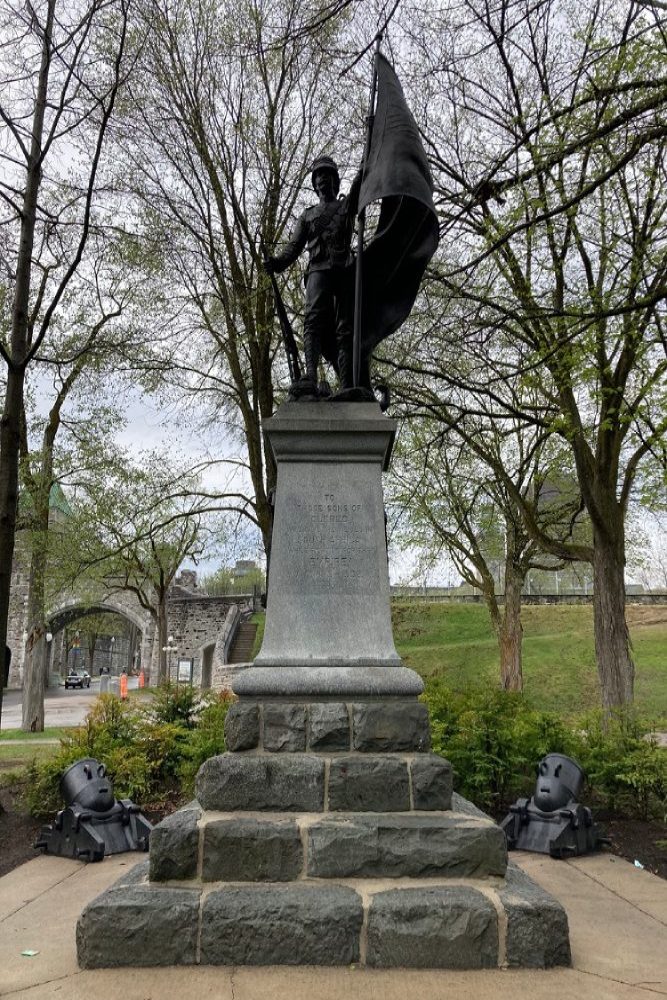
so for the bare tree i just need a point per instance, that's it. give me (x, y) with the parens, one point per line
(230, 108)
(549, 150)
(62, 66)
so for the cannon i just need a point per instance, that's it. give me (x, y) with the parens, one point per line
(552, 821)
(93, 823)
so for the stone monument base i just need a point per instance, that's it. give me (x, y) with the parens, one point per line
(327, 835)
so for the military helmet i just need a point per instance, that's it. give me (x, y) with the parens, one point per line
(324, 163)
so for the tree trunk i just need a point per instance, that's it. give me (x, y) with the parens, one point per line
(616, 669)
(510, 634)
(33, 681)
(162, 675)
(34, 671)
(9, 469)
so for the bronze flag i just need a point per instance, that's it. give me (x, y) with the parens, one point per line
(398, 176)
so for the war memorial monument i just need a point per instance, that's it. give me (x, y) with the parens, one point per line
(328, 833)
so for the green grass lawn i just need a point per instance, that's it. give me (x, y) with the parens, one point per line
(455, 642)
(50, 733)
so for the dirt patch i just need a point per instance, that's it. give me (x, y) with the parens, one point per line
(646, 614)
(637, 840)
(18, 830)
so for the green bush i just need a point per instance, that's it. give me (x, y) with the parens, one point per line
(177, 703)
(149, 753)
(625, 767)
(494, 741)
(206, 740)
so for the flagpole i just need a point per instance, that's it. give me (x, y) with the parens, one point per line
(361, 223)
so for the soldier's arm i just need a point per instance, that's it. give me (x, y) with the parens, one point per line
(292, 249)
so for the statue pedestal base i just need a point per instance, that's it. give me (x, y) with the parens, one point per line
(329, 833)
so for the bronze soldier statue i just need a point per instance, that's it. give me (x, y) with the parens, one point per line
(325, 230)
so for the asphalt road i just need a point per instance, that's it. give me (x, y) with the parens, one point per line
(61, 707)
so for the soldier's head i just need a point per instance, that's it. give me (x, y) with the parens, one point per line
(324, 176)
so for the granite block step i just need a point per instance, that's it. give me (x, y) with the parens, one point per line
(311, 782)
(273, 847)
(415, 923)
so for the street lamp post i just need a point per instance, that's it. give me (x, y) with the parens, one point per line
(169, 649)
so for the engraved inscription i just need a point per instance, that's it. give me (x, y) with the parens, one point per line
(333, 540)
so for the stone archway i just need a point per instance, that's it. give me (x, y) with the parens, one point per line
(72, 610)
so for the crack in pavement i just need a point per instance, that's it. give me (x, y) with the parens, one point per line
(45, 982)
(622, 982)
(617, 894)
(27, 902)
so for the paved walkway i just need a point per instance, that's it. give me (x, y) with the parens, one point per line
(618, 926)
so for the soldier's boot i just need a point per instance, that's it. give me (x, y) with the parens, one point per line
(306, 387)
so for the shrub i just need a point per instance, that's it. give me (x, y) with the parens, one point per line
(175, 703)
(149, 754)
(207, 739)
(623, 764)
(494, 741)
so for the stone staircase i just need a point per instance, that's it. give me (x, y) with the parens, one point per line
(243, 643)
(328, 835)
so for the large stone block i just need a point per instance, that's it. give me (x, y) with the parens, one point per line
(287, 782)
(441, 928)
(174, 846)
(242, 727)
(369, 784)
(284, 727)
(390, 727)
(140, 926)
(239, 849)
(431, 782)
(281, 925)
(537, 928)
(329, 726)
(404, 846)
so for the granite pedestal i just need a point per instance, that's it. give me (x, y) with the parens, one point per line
(329, 833)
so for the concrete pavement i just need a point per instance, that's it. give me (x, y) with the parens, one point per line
(618, 926)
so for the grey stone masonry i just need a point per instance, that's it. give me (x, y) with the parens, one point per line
(242, 727)
(174, 845)
(286, 925)
(288, 782)
(388, 727)
(454, 927)
(139, 925)
(431, 778)
(329, 727)
(284, 728)
(397, 726)
(537, 930)
(243, 849)
(296, 782)
(331, 918)
(378, 783)
(418, 846)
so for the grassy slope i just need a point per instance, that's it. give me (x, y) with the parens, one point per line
(455, 642)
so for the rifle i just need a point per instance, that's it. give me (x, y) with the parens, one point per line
(289, 340)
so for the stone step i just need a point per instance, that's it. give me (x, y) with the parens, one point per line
(473, 924)
(243, 643)
(298, 782)
(398, 726)
(242, 847)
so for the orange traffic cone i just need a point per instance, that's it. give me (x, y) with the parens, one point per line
(123, 686)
